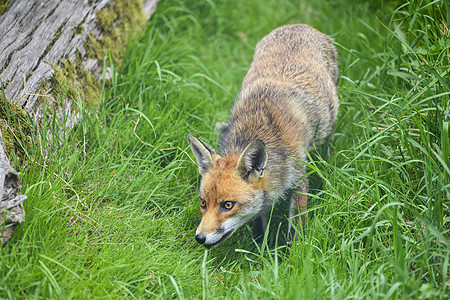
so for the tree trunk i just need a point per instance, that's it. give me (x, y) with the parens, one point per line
(51, 50)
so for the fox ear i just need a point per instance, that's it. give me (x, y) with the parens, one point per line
(253, 160)
(203, 154)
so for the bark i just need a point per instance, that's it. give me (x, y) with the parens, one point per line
(11, 201)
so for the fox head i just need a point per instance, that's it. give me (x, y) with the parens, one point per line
(231, 190)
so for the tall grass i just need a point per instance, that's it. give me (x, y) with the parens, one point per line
(112, 206)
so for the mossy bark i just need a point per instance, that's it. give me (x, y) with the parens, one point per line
(51, 51)
(15, 128)
(4, 5)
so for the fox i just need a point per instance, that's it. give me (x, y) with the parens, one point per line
(287, 103)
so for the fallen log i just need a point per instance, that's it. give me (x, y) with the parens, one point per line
(51, 51)
(44, 40)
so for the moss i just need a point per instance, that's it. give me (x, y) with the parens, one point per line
(91, 85)
(29, 74)
(68, 79)
(93, 48)
(63, 80)
(15, 127)
(117, 23)
(4, 6)
(6, 138)
(43, 87)
(78, 30)
(106, 17)
(5, 84)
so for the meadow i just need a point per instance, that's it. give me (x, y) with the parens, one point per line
(113, 206)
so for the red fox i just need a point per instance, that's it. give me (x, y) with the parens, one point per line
(288, 100)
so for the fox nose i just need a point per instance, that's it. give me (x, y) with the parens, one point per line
(200, 238)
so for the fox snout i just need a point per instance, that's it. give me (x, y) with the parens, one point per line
(214, 238)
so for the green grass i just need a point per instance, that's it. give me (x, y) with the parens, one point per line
(112, 207)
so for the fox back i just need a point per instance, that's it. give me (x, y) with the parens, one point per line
(288, 101)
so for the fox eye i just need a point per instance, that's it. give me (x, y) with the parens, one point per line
(227, 205)
(202, 203)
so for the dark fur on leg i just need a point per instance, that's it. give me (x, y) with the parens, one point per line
(259, 229)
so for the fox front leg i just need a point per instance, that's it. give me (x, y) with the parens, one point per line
(259, 227)
(299, 203)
